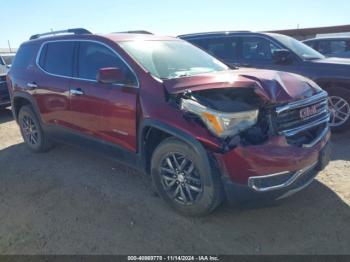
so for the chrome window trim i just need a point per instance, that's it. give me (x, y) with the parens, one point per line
(84, 79)
(287, 183)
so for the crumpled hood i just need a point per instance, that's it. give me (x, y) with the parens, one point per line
(272, 86)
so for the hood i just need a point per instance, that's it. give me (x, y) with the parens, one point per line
(332, 61)
(272, 86)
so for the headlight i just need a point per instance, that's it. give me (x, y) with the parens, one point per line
(219, 123)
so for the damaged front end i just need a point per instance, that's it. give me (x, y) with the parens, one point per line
(270, 128)
(235, 116)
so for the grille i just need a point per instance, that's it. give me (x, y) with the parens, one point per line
(304, 120)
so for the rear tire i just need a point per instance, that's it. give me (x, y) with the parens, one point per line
(31, 130)
(182, 179)
(339, 105)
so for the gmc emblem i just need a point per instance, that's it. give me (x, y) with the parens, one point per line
(308, 111)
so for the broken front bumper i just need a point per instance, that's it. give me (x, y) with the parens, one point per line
(273, 170)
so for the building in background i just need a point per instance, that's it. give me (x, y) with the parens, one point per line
(7, 50)
(307, 33)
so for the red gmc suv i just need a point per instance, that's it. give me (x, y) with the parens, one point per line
(204, 132)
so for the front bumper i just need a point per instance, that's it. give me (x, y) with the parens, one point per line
(238, 193)
(4, 95)
(271, 171)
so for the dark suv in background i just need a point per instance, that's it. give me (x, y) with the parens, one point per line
(167, 108)
(283, 53)
(331, 46)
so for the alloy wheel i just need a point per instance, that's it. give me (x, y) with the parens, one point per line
(30, 130)
(180, 179)
(339, 109)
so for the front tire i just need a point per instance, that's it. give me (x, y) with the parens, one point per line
(31, 130)
(182, 179)
(339, 105)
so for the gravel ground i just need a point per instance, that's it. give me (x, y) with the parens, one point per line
(69, 201)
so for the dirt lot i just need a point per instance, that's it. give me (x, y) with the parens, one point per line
(69, 201)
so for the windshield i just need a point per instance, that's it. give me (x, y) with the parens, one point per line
(302, 50)
(172, 59)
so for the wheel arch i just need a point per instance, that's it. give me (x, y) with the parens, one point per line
(22, 99)
(153, 132)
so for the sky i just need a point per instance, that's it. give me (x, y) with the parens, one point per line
(20, 19)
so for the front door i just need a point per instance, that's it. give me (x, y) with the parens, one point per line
(105, 111)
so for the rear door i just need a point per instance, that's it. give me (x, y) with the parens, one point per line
(105, 111)
(51, 91)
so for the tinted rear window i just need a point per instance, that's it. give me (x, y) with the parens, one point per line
(224, 48)
(57, 58)
(24, 56)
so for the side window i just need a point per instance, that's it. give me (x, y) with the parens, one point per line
(232, 43)
(223, 48)
(257, 49)
(57, 58)
(214, 46)
(217, 48)
(324, 47)
(338, 46)
(94, 56)
(24, 56)
(312, 44)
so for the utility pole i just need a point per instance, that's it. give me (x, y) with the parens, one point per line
(8, 42)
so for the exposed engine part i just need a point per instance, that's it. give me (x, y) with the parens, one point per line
(229, 100)
(232, 101)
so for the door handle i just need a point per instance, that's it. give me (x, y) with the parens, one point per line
(76, 92)
(32, 85)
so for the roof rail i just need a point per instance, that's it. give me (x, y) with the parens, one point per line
(214, 33)
(76, 31)
(136, 32)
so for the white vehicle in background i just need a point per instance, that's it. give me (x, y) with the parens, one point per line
(6, 62)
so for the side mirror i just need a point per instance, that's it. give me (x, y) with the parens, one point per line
(110, 75)
(282, 56)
